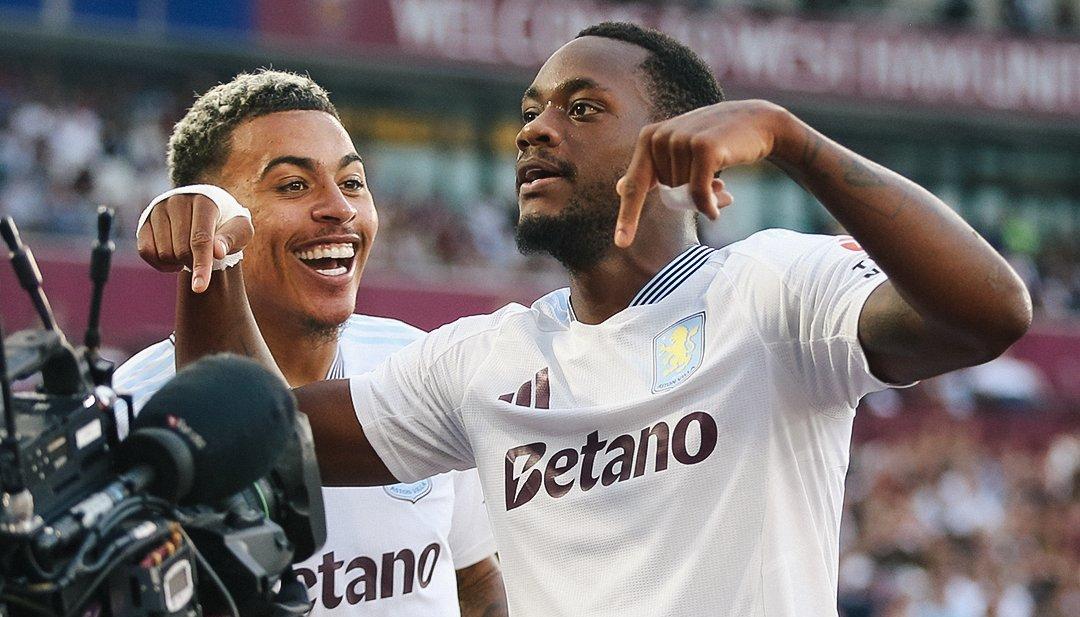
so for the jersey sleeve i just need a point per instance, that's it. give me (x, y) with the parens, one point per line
(805, 294)
(470, 531)
(410, 405)
(142, 375)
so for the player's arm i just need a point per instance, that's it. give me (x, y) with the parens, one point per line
(346, 457)
(951, 301)
(480, 589)
(213, 316)
(185, 231)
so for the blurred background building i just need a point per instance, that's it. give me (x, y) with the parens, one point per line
(964, 492)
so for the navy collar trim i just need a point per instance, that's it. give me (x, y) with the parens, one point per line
(672, 275)
(666, 280)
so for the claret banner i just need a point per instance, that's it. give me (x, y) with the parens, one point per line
(893, 64)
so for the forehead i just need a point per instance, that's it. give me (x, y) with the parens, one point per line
(610, 63)
(310, 134)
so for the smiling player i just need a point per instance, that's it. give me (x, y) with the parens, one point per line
(274, 140)
(668, 436)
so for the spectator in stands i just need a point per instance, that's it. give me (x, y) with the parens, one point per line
(945, 525)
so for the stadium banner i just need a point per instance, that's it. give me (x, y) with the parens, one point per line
(751, 53)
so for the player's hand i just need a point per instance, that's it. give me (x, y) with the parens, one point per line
(691, 149)
(183, 231)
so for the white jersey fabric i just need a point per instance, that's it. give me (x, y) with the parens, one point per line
(686, 457)
(390, 551)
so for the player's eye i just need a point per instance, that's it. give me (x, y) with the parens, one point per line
(581, 109)
(352, 184)
(529, 115)
(293, 186)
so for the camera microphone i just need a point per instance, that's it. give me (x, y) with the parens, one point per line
(234, 418)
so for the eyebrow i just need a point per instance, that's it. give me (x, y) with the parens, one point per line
(306, 163)
(567, 87)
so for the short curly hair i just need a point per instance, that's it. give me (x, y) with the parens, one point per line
(679, 80)
(200, 140)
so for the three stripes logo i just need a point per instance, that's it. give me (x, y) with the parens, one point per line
(535, 393)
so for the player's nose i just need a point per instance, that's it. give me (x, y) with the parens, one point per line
(543, 130)
(334, 207)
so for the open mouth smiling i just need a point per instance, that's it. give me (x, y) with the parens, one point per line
(328, 259)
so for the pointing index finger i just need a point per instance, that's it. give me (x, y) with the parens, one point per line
(204, 215)
(640, 178)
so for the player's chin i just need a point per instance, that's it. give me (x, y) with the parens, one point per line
(541, 205)
(549, 198)
(330, 312)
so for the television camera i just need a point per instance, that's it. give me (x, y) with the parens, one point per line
(185, 515)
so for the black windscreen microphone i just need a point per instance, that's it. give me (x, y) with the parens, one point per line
(234, 416)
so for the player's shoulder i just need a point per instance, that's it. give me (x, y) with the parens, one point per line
(370, 329)
(156, 360)
(488, 324)
(777, 249)
(475, 335)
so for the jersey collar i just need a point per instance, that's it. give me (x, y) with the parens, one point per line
(666, 280)
(337, 367)
(672, 275)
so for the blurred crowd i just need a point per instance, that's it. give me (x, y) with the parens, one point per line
(63, 152)
(945, 522)
(1048, 263)
(66, 149)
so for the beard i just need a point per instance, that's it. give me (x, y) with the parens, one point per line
(579, 236)
(319, 331)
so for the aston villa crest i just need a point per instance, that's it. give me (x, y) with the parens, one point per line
(677, 352)
(409, 492)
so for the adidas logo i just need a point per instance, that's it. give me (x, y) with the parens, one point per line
(533, 393)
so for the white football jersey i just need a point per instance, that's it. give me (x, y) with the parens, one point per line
(390, 551)
(685, 457)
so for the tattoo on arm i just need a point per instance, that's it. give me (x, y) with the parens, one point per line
(811, 147)
(482, 594)
(858, 175)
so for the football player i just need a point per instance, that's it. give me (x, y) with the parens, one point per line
(274, 140)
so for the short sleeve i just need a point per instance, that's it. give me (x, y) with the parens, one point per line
(470, 531)
(410, 405)
(806, 293)
(143, 375)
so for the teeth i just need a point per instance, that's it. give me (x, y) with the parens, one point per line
(324, 251)
(535, 174)
(338, 271)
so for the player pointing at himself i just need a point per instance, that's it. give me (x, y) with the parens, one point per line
(669, 436)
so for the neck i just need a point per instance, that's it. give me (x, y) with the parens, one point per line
(302, 355)
(609, 286)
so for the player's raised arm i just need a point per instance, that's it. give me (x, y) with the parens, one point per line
(951, 301)
(188, 229)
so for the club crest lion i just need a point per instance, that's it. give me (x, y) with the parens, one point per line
(677, 352)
